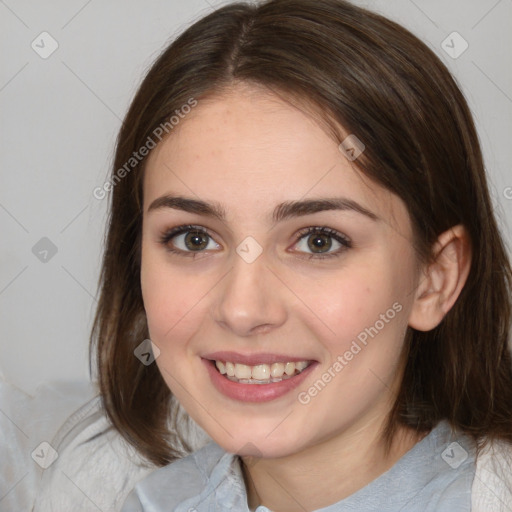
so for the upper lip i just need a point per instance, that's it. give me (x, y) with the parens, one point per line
(252, 359)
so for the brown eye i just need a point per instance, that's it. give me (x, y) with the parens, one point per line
(187, 240)
(319, 243)
(196, 240)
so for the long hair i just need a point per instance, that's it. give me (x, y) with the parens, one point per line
(364, 75)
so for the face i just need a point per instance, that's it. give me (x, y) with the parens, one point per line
(279, 315)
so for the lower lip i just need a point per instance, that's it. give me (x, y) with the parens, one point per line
(255, 392)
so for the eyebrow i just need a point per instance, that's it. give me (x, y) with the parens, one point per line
(282, 211)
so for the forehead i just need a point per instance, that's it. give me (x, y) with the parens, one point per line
(249, 149)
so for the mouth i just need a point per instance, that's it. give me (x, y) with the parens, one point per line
(256, 377)
(261, 373)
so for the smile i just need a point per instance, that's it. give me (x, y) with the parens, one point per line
(256, 377)
(260, 373)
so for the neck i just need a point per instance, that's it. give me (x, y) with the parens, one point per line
(334, 468)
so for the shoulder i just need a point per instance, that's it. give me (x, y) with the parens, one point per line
(190, 476)
(29, 422)
(95, 469)
(492, 485)
(61, 452)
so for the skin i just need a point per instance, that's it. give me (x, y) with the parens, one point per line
(249, 151)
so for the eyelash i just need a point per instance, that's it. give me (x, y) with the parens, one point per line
(168, 235)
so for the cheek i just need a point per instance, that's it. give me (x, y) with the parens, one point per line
(171, 299)
(370, 321)
(366, 317)
(350, 303)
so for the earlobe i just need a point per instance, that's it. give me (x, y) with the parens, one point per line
(442, 281)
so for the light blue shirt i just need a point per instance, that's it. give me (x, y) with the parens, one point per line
(436, 475)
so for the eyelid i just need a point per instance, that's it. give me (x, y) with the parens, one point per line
(171, 233)
(184, 228)
(324, 230)
(342, 239)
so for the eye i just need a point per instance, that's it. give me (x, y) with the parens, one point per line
(319, 241)
(188, 239)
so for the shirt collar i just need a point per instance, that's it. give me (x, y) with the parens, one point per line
(225, 486)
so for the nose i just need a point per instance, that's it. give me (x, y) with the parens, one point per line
(249, 300)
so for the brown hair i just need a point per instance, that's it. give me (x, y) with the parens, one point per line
(374, 79)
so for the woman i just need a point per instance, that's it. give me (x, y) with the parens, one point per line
(308, 242)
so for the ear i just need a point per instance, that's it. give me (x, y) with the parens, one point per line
(442, 281)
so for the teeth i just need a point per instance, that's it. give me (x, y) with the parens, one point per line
(301, 365)
(277, 370)
(289, 368)
(230, 369)
(242, 371)
(260, 373)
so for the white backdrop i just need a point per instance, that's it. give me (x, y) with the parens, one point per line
(69, 70)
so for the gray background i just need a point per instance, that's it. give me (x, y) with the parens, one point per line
(60, 117)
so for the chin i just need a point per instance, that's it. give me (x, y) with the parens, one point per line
(256, 443)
